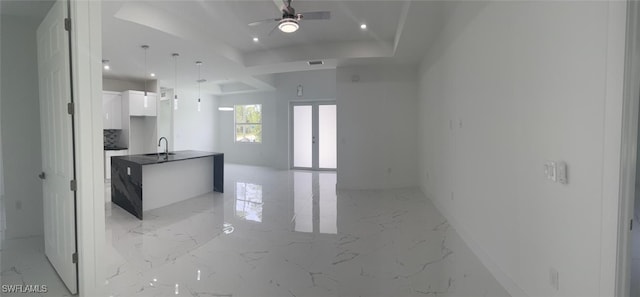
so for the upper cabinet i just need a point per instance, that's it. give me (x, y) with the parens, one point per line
(112, 110)
(138, 106)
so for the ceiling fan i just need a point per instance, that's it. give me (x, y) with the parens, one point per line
(289, 22)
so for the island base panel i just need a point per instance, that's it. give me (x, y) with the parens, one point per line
(168, 183)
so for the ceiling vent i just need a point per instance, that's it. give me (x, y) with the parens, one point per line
(313, 63)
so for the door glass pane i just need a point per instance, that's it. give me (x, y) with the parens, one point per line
(302, 133)
(327, 136)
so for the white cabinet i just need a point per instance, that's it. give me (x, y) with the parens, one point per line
(112, 110)
(107, 160)
(138, 106)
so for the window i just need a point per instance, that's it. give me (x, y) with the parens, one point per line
(248, 123)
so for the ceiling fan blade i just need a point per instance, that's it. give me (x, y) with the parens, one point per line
(271, 32)
(316, 15)
(264, 22)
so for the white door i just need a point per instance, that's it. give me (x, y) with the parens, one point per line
(57, 145)
(313, 135)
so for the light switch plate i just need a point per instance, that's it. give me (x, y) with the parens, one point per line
(561, 172)
(550, 170)
(547, 169)
(554, 279)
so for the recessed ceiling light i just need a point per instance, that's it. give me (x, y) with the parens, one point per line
(363, 26)
(255, 39)
(152, 74)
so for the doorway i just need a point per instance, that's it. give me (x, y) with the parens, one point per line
(313, 135)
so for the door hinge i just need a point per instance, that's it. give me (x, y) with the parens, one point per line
(74, 258)
(73, 185)
(70, 108)
(631, 225)
(67, 24)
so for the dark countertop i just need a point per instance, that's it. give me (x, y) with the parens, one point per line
(153, 159)
(115, 148)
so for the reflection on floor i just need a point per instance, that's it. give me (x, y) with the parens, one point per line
(287, 233)
(24, 263)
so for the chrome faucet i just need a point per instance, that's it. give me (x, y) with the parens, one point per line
(166, 147)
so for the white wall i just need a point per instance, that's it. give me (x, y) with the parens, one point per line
(164, 120)
(274, 150)
(519, 84)
(258, 154)
(377, 127)
(121, 85)
(194, 130)
(20, 125)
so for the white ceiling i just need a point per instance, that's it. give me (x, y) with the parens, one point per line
(216, 32)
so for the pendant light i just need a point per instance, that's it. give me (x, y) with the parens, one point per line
(200, 80)
(146, 99)
(175, 89)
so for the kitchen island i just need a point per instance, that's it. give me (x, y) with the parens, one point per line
(144, 182)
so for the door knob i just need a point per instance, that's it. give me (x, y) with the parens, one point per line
(42, 175)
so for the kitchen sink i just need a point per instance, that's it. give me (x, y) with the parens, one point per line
(161, 154)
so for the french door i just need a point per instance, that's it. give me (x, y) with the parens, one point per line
(313, 135)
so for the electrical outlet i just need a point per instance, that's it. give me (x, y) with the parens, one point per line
(18, 205)
(554, 278)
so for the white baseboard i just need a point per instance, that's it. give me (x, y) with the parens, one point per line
(505, 281)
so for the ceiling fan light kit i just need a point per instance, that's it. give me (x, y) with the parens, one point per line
(288, 25)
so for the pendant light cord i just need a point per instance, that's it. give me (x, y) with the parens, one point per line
(175, 91)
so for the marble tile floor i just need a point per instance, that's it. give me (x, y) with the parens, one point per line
(278, 233)
(287, 233)
(24, 263)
